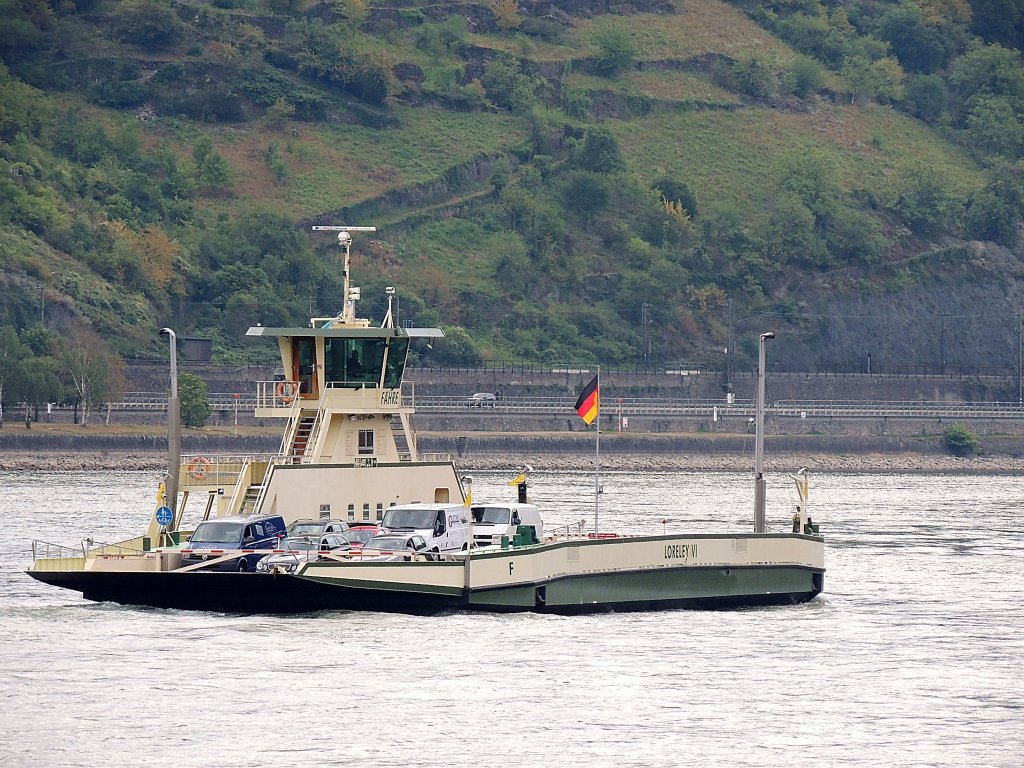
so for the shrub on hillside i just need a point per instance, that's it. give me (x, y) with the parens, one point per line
(927, 98)
(149, 23)
(960, 441)
(805, 76)
(616, 51)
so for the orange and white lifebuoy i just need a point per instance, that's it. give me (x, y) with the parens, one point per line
(285, 390)
(199, 467)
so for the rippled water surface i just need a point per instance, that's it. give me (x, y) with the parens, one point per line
(912, 656)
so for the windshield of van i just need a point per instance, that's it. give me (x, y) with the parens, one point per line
(397, 519)
(491, 515)
(218, 533)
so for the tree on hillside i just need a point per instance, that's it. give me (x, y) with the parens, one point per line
(149, 23)
(918, 46)
(926, 201)
(597, 151)
(92, 372)
(12, 352)
(194, 399)
(927, 97)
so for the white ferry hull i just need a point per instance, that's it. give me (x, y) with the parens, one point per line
(574, 576)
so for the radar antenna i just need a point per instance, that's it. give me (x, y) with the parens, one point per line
(351, 293)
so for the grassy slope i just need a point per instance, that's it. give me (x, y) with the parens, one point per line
(733, 156)
(729, 155)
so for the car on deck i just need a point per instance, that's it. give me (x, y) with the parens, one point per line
(295, 550)
(358, 535)
(316, 527)
(394, 547)
(482, 400)
(231, 543)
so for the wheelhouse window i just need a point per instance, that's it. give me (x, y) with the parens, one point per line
(365, 441)
(354, 362)
(398, 351)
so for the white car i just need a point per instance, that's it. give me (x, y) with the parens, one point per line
(482, 400)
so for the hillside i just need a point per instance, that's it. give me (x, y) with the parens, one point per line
(642, 184)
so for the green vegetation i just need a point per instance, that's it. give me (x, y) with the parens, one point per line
(541, 183)
(960, 441)
(193, 400)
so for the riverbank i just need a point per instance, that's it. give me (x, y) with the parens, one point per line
(53, 447)
(106, 461)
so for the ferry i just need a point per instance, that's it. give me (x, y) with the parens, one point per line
(349, 453)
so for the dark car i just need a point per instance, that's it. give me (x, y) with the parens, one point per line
(300, 549)
(213, 539)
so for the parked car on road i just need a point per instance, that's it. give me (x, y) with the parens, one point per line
(482, 400)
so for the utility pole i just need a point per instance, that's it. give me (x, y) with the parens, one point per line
(942, 344)
(645, 339)
(728, 356)
(1020, 360)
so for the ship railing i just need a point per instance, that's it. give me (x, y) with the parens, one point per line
(50, 551)
(567, 531)
(45, 550)
(443, 458)
(216, 471)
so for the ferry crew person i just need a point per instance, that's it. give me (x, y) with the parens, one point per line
(354, 367)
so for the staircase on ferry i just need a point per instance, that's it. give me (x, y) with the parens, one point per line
(302, 434)
(249, 500)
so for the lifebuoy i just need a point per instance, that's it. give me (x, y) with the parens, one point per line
(199, 467)
(286, 391)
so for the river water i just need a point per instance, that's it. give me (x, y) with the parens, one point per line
(911, 657)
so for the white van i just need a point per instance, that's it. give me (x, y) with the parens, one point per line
(492, 521)
(442, 526)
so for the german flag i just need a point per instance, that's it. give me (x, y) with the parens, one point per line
(587, 404)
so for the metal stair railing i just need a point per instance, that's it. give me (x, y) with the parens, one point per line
(242, 483)
(314, 432)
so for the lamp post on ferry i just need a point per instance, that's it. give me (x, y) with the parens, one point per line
(173, 428)
(759, 482)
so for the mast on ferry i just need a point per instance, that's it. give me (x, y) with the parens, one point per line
(759, 482)
(351, 293)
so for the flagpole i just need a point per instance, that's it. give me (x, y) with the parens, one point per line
(597, 456)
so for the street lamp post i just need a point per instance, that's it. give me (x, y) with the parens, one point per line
(173, 429)
(759, 482)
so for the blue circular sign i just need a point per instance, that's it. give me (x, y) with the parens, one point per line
(164, 516)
